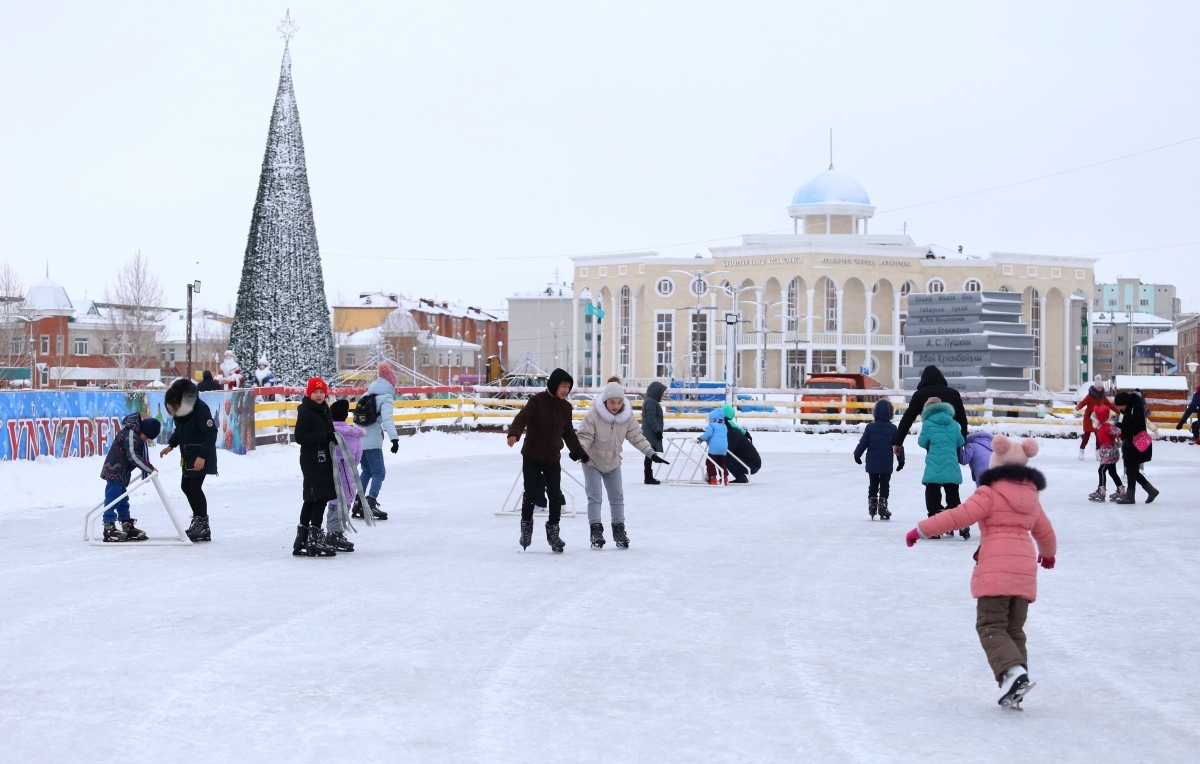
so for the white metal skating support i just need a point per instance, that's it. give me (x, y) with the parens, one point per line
(89, 522)
(512, 506)
(690, 462)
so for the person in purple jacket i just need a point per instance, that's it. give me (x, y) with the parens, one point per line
(340, 411)
(976, 453)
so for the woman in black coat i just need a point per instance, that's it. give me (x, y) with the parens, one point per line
(195, 435)
(1133, 422)
(314, 433)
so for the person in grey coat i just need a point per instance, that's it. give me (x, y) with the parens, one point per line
(371, 468)
(652, 424)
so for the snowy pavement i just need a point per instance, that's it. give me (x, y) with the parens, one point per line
(772, 622)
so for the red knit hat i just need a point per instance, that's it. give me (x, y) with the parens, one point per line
(315, 384)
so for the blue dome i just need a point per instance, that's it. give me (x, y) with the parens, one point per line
(831, 187)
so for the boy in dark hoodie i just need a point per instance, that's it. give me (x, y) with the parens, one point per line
(876, 442)
(546, 421)
(652, 425)
(130, 451)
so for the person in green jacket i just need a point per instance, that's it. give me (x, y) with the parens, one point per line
(941, 437)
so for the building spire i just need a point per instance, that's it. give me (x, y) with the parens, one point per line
(831, 148)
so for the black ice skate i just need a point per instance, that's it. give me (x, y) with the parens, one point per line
(526, 534)
(884, 514)
(597, 535)
(301, 542)
(872, 506)
(1015, 685)
(199, 530)
(619, 537)
(965, 533)
(338, 542)
(113, 534)
(316, 546)
(132, 532)
(356, 511)
(556, 543)
(373, 503)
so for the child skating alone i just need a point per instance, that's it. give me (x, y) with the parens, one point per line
(605, 428)
(1108, 453)
(546, 422)
(718, 445)
(1004, 582)
(876, 443)
(941, 437)
(130, 451)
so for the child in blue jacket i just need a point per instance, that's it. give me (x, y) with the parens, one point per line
(129, 451)
(876, 442)
(718, 445)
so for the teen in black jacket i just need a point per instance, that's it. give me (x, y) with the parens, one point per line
(314, 433)
(195, 435)
(932, 385)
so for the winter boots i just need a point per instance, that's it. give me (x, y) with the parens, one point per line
(872, 505)
(338, 542)
(556, 543)
(1014, 684)
(133, 533)
(310, 542)
(619, 537)
(199, 530)
(597, 535)
(373, 503)
(884, 514)
(526, 534)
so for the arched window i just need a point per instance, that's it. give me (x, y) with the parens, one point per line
(665, 287)
(935, 286)
(972, 285)
(873, 365)
(907, 288)
(793, 305)
(625, 325)
(698, 287)
(1035, 328)
(830, 306)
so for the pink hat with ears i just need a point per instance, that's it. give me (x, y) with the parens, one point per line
(1006, 451)
(387, 372)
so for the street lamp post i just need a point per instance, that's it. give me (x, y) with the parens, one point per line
(193, 287)
(1191, 367)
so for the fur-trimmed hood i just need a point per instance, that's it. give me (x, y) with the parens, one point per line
(1014, 473)
(606, 415)
(941, 407)
(181, 397)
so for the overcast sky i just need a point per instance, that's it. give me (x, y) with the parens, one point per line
(442, 131)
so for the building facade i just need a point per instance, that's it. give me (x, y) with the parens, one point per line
(826, 297)
(1132, 296)
(462, 323)
(1115, 336)
(540, 326)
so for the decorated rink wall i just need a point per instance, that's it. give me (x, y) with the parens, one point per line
(78, 424)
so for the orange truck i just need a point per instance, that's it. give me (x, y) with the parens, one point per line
(836, 381)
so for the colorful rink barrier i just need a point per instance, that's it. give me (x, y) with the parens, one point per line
(66, 424)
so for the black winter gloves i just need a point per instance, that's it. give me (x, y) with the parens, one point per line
(333, 437)
(899, 466)
(658, 459)
(858, 460)
(395, 445)
(579, 457)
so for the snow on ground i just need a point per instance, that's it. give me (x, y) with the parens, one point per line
(772, 622)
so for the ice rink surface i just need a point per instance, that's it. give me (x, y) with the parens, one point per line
(765, 623)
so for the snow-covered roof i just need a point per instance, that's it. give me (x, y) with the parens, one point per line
(369, 338)
(103, 374)
(438, 342)
(1163, 339)
(47, 297)
(205, 323)
(831, 186)
(1144, 319)
(1149, 382)
(426, 305)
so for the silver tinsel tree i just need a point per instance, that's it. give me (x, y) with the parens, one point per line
(281, 307)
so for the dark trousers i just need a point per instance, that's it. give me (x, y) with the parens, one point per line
(542, 485)
(1133, 473)
(933, 497)
(648, 468)
(192, 485)
(1083, 443)
(712, 468)
(1109, 469)
(311, 513)
(1000, 622)
(881, 485)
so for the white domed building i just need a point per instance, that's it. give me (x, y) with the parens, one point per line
(829, 296)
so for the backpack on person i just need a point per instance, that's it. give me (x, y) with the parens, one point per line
(366, 411)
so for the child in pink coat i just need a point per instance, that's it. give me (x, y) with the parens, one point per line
(1006, 507)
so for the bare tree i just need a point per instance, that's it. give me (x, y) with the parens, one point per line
(13, 331)
(134, 315)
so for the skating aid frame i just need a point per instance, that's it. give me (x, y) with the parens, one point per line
(90, 520)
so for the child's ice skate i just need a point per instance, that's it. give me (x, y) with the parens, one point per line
(526, 534)
(619, 537)
(338, 542)
(1096, 495)
(199, 529)
(597, 535)
(872, 506)
(113, 534)
(1118, 494)
(132, 532)
(965, 533)
(552, 538)
(884, 514)
(1081, 454)
(1015, 685)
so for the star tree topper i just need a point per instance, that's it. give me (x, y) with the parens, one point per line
(287, 29)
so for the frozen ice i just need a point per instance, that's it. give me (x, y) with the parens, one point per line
(771, 622)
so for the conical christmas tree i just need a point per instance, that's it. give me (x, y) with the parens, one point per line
(281, 307)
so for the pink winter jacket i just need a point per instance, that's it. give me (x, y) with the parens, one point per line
(1007, 509)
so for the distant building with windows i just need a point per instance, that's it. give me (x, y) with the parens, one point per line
(1132, 296)
(1114, 337)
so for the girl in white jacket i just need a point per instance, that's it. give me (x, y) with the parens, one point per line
(605, 428)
